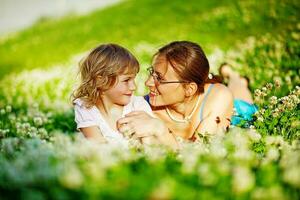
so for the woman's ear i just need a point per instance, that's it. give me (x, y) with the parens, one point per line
(190, 89)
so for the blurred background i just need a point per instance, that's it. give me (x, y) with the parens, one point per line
(41, 41)
(19, 14)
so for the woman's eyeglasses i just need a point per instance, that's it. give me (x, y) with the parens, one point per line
(157, 78)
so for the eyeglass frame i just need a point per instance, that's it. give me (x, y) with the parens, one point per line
(155, 76)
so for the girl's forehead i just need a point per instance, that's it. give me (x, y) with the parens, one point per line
(127, 75)
(128, 71)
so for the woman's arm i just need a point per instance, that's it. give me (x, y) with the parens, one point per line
(93, 133)
(219, 112)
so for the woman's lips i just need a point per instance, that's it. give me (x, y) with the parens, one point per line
(153, 94)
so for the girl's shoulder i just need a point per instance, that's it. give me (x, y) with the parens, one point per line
(78, 102)
(84, 112)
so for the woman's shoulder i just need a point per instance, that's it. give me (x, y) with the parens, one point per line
(220, 95)
(222, 91)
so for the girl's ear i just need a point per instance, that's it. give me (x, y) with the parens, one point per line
(190, 89)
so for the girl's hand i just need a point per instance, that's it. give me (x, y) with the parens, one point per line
(139, 124)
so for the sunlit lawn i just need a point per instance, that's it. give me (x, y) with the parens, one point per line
(38, 70)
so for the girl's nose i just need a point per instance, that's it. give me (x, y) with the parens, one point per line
(132, 86)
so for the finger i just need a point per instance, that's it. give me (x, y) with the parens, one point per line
(139, 136)
(134, 113)
(122, 121)
(122, 127)
(126, 130)
(126, 120)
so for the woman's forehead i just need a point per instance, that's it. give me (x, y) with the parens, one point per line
(163, 67)
(160, 64)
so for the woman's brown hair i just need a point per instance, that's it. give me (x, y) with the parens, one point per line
(99, 71)
(189, 62)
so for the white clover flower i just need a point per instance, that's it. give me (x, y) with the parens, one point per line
(243, 155)
(292, 176)
(237, 137)
(275, 140)
(261, 119)
(26, 125)
(217, 148)
(295, 124)
(273, 100)
(243, 180)
(164, 189)
(155, 153)
(257, 92)
(42, 132)
(269, 86)
(272, 154)
(288, 80)
(72, 178)
(94, 171)
(272, 192)
(38, 121)
(254, 135)
(262, 111)
(12, 117)
(2, 111)
(277, 82)
(25, 118)
(275, 114)
(2, 133)
(8, 108)
(206, 175)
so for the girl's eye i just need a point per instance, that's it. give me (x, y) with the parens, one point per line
(126, 80)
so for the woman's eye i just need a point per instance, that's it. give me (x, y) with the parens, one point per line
(126, 80)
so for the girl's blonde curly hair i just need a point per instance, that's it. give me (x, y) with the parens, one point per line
(99, 72)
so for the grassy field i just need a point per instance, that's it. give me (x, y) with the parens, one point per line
(42, 156)
(151, 23)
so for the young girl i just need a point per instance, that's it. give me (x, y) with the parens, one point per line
(105, 93)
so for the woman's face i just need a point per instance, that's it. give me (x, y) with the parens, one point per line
(164, 94)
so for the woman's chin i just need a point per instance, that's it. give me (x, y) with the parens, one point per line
(155, 103)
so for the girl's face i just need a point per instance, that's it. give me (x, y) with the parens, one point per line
(122, 91)
(164, 94)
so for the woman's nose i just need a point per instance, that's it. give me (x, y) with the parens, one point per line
(150, 81)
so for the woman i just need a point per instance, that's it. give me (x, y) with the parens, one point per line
(183, 95)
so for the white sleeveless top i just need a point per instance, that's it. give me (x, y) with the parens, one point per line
(85, 117)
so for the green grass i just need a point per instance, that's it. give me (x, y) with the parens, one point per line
(37, 161)
(154, 22)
